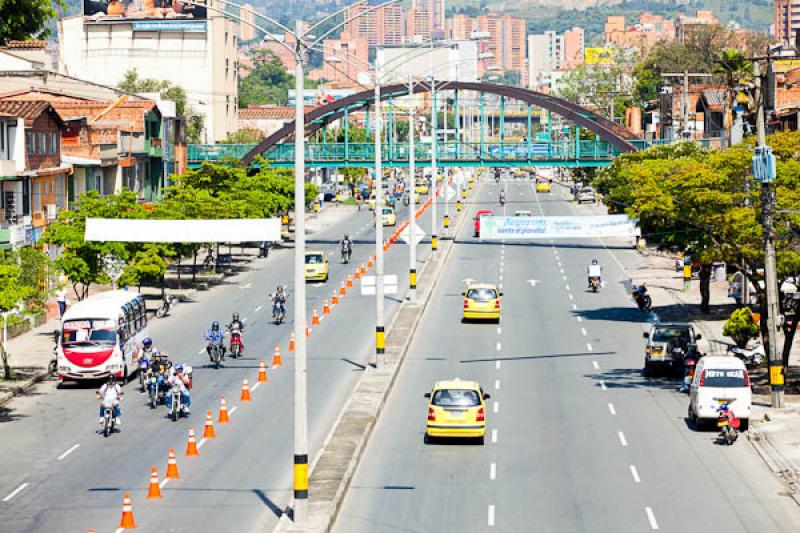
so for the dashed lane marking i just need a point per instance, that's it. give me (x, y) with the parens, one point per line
(499, 347)
(496, 407)
(583, 331)
(254, 387)
(497, 384)
(635, 474)
(164, 482)
(497, 365)
(259, 308)
(490, 518)
(574, 307)
(66, 453)
(494, 436)
(611, 409)
(651, 517)
(580, 319)
(15, 492)
(499, 330)
(603, 385)
(570, 297)
(493, 471)
(589, 346)
(202, 441)
(622, 440)
(567, 286)
(595, 365)
(233, 409)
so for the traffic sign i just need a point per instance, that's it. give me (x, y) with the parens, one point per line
(368, 284)
(419, 234)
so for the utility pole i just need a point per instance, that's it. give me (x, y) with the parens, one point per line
(764, 172)
(380, 339)
(685, 75)
(412, 229)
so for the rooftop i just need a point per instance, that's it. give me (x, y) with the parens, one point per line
(30, 110)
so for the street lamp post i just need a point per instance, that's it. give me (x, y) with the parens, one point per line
(412, 215)
(380, 339)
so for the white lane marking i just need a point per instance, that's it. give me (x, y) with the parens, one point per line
(164, 482)
(635, 474)
(501, 277)
(603, 385)
(499, 347)
(570, 297)
(595, 365)
(202, 441)
(499, 330)
(562, 270)
(496, 407)
(494, 436)
(497, 384)
(66, 453)
(589, 346)
(501, 286)
(583, 331)
(490, 518)
(567, 286)
(574, 307)
(564, 278)
(622, 440)
(259, 308)
(233, 409)
(493, 471)
(201, 350)
(651, 518)
(580, 319)
(254, 387)
(15, 492)
(497, 365)
(611, 409)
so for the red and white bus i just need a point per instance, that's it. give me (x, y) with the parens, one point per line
(102, 335)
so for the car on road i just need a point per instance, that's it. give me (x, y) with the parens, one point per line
(478, 215)
(720, 379)
(667, 344)
(316, 266)
(543, 186)
(523, 213)
(421, 187)
(482, 302)
(388, 218)
(586, 194)
(457, 409)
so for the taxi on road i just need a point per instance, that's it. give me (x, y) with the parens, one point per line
(456, 408)
(482, 302)
(543, 186)
(389, 218)
(316, 266)
(421, 187)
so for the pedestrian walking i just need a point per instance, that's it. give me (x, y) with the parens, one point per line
(61, 299)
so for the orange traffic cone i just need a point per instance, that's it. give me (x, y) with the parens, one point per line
(370, 264)
(245, 397)
(363, 268)
(307, 331)
(358, 273)
(223, 412)
(291, 342)
(334, 298)
(342, 290)
(326, 309)
(126, 522)
(155, 489)
(349, 281)
(191, 445)
(276, 356)
(208, 431)
(262, 372)
(315, 317)
(172, 462)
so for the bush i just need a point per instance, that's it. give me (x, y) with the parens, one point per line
(741, 327)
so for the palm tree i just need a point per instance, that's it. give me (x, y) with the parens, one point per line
(735, 69)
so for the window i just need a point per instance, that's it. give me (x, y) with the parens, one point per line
(30, 139)
(456, 398)
(53, 143)
(482, 294)
(37, 196)
(42, 144)
(2, 136)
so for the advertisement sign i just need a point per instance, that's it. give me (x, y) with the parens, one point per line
(557, 227)
(167, 10)
(599, 56)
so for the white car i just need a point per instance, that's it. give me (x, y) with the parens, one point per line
(587, 194)
(720, 379)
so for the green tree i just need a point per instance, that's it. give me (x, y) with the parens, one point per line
(268, 82)
(735, 69)
(27, 19)
(12, 294)
(597, 86)
(244, 136)
(741, 327)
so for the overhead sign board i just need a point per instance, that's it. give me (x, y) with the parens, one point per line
(202, 231)
(167, 11)
(556, 227)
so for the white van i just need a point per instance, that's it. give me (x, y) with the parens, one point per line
(720, 379)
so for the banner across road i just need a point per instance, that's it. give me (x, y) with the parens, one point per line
(555, 227)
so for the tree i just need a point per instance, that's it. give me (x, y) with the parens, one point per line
(598, 87)
(735, 70)
(508, 77)
(244, 136)
(12, 293)
(25, 19)
(741, 327)
(268, 82)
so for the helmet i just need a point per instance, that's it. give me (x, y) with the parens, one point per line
(179, 367)
(346, 235)
(236, 316)
(214, 326)
(147, 342)
(112, 379)
(594, 261)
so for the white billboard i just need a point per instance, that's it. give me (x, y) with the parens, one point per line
(555, 227)
(203, 231)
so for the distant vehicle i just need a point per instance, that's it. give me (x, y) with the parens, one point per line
(543, 186)
(388, 217)
(102, 335)
(667, 344)
(720, 379)
(421, 187)
(478, 215)
(316, 268)
(523, 213)
(328, 193)
(482, 302)
(587, 194)
(456, 409)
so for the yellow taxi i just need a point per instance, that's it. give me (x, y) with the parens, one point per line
(389, 218)
(482, 302)
(543, 186)
(316, 266)
(421, 187)
(456, 408)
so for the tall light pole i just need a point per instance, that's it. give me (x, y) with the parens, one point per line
(412, 215)
(380, 339)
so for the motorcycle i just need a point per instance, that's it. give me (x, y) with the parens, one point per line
(642, 299)
(502, 199)
(728, 424)
(347, 251)
(166, 306)
(144, 366)
(177, 407)
(594, 283)
(216, 352)
(751, 357)
(108, 418)
(156, 395)
(278, 313)
(406, 200)
(236, 342)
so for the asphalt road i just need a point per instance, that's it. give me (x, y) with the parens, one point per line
(59, 475)
(577, 439)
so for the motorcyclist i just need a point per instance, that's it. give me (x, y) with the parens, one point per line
(148, 350)
(179, 378)
(279, 299)
(110, 393)
(160, 367)
(236, 323)
(213, 334)
(595, 271)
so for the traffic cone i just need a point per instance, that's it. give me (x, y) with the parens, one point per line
(326, 309)
(358, 273)
(334, 298)
(369, 263)
(262, 372)
(307, 331)
(172, 464)
(223, 412)
(315, 317)
(363, 268)
(126, 522)
(276, 357)
(291, 342)
(342, 290)
(154, 491)
(191, 445)
(349, 281)
(245, 397)
(208, 431)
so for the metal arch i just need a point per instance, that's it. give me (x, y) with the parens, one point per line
(616, 135)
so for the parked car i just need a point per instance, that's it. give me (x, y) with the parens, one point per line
(667, 344)
(587, 194)
(720, 379)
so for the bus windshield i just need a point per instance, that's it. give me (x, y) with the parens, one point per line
(88, 333)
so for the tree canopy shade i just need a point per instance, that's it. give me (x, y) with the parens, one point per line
(26, 19)
(268, 82)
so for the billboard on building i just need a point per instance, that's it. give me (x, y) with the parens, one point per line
(165, 10)
(599, 56)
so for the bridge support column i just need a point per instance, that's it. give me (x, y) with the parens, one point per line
(457, 120)
(577, 143)
(503, 122)
(529, 135)
(483, 126)
(347, 133)
(391, 130)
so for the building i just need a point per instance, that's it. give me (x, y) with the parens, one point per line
(643, 36)
(418, 26)
(247, 31)
(193, 47)
(282, 49)
(574, 46)
(512, 46)
(266, 118)
(380, 27)
(459, 27)
(546, 54)
(685, 25)
(25, 55)
(344, 58)
(786, 20)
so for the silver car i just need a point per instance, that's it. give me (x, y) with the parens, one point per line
(587, 194)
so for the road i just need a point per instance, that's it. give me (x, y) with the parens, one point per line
(58, 475)
(577, 439)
